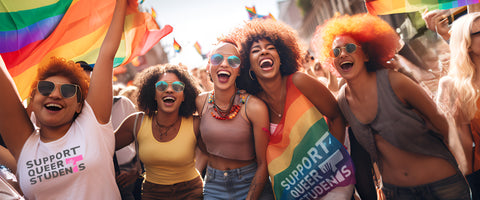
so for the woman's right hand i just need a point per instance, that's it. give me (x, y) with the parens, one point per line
(437, 20)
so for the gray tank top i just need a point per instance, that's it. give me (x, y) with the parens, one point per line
(232, 139)
(396, 123)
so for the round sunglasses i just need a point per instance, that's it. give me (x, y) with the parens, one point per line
(217, 59)
(177, 86)
(66, 90)
(350, 48)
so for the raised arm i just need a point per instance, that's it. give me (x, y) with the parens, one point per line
(437, 21)
(15, 126)
(324, 101)
(100, 91)
(258, 115)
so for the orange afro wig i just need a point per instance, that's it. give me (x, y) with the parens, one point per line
(378, 39)
(68, 69)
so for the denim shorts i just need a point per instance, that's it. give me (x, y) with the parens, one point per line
(453, 187)
(232, 184)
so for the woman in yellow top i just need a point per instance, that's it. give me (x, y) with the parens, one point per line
(167, 136)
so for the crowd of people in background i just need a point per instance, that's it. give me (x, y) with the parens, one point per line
(241, 127)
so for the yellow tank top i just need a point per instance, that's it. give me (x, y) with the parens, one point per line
(171, 162)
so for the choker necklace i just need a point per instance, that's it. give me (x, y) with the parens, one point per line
(167, 128)
(230, 112)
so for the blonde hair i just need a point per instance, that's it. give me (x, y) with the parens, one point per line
(462, 70)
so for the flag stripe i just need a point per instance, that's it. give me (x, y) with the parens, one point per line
(383, 7)
(16, 5)
(303, 126)
(16, 39)
(25, 18)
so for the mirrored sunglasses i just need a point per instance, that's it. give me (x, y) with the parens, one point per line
(217, 59)
(66, 90)
(350, 48)
(177, 86)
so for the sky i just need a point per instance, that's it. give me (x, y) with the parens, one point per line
(202, 21)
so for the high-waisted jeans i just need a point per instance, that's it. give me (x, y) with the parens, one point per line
(453, 187)
(232, 184)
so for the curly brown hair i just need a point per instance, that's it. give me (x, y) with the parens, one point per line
(282, 36)
(146, 83)
(66, 68)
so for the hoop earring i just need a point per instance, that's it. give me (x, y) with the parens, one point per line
(250, 72)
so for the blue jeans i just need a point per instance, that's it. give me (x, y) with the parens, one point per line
(232, 184)
(453, 187)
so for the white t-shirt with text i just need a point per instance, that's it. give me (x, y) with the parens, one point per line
(77, 166)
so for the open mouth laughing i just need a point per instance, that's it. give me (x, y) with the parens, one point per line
(53, 107)
(223, 76)
(346, 65)
(266, 63)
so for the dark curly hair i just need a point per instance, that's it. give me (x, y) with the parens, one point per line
(282, 36)
(146, 83)
(66, 68)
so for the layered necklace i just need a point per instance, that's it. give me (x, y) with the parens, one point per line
(166, 128)
(230, 112)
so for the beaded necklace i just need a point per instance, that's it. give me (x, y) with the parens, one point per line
(230, 112)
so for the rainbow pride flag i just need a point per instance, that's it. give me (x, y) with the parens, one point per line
(304, 160)
(198, 47)
(33, 31)
(154, 14)
(384, 7)
(252, 14)
(176, 46)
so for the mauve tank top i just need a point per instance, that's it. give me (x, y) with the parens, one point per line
(231, 139)
(396, 123)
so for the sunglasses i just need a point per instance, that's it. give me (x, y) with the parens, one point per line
(350, 48)
(217, 59)
(66, 90)
(177, 86)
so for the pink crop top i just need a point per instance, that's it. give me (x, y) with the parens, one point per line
(231, 139)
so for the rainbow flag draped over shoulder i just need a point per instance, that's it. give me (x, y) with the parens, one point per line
(304, 160)
(33, 31)
(384, 7)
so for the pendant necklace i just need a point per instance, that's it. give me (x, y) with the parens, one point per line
(278, 114)
(167, 128)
